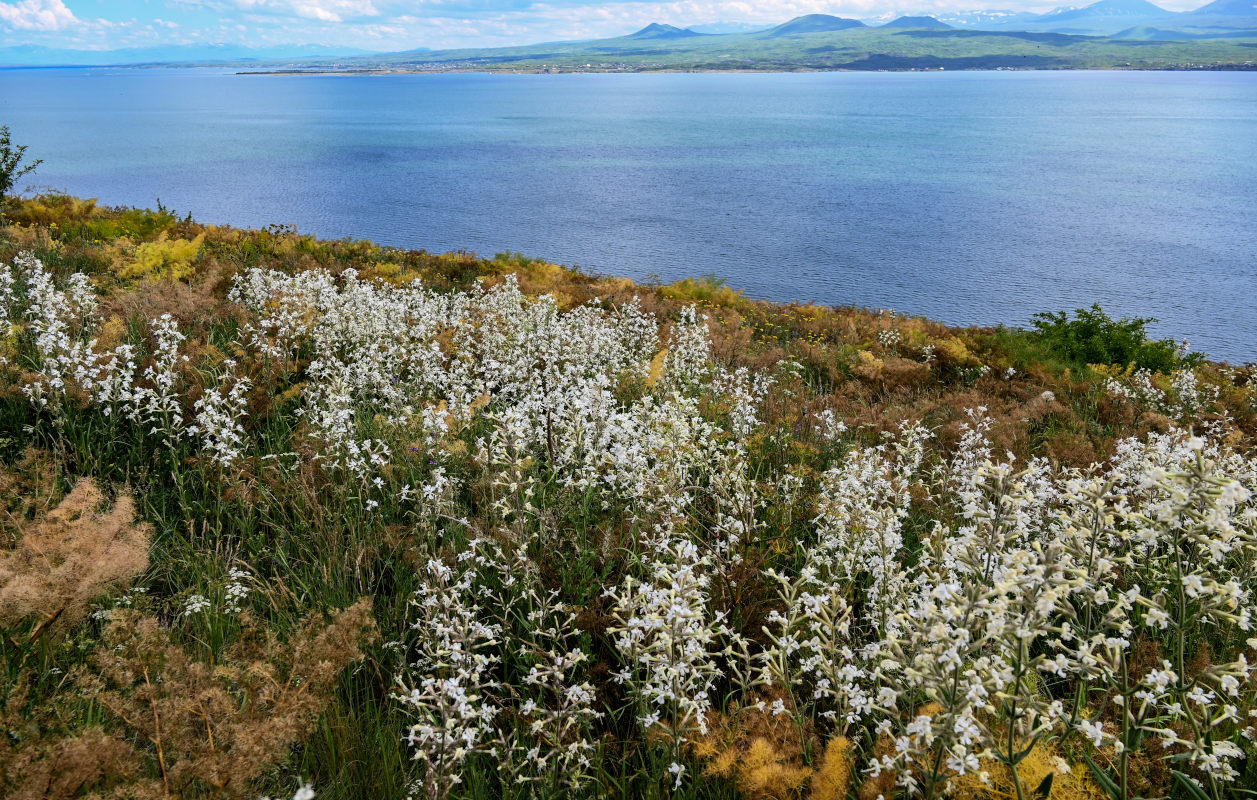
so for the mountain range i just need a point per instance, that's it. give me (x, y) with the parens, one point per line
(1221, 34)
(1220, 18)
(823, 42)
(26, 55)
(1108, 17)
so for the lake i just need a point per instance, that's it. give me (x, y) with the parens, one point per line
(967, 197)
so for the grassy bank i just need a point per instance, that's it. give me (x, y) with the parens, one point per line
(280, 510)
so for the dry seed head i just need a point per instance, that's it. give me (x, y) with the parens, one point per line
(833, 776)
(73, 555)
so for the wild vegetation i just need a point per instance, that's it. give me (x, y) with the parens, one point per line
(283, 514)
(13, 162)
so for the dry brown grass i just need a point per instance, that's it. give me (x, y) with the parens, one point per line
(1043, 760)
(763, 754)
(833, 774)
(91, 761)
(182, 727)
(27, 491)
(69, 557)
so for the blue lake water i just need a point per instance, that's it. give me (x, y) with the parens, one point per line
(972, 197)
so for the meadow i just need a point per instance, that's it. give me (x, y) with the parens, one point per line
(292, 517)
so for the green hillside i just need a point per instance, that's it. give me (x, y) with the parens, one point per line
(856, 48)
(813, 23)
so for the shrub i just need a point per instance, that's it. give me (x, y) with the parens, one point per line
(179, 727)
(1093, 337)
(74, 554)
(11, 167)
(705, 290)
(50, 210)
(86, 219)
(164, 258)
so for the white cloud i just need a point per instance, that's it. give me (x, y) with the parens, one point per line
(36, 15)
(705, 11)
(334, 10)
(321, 10)
(383, 32)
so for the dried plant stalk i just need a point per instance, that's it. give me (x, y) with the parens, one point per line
(72, 555)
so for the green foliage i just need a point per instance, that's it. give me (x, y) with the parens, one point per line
(51, 210)
(704, 290)
(164, 258)
(140, 223)
(1093, 337)
(11, 167)
(69, 217)
(512, 262)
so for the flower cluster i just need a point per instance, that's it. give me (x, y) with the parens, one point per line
(1181, 397)
(475, 621)
(1044, 578)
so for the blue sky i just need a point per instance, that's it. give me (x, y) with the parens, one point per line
(404, 24)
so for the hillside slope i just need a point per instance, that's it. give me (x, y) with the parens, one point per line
(288, 514)
(820, 42)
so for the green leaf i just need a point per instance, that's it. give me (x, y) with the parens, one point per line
(1021, 755)
(1106, 783)
(1190, 786)
(1044, 789)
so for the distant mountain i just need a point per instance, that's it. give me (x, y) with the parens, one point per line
(1227, 8)
(36, 56)
(984, 19)
(1056, 12)
(657, 31)
(917, 22)
(1127, 20)
(814, 23)
(1108, 8)
(730, 27)
(1145, 33)
(905, 45)
(1103, 18)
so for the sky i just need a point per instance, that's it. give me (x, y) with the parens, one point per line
(390, 25)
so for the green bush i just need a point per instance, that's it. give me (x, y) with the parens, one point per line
(11, 168)
(1093, 337)
(708, 290)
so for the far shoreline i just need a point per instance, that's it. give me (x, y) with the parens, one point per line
(679, 71)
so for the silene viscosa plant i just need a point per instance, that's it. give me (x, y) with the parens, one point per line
(958, 619)
(1013, 626)
(493, 679)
